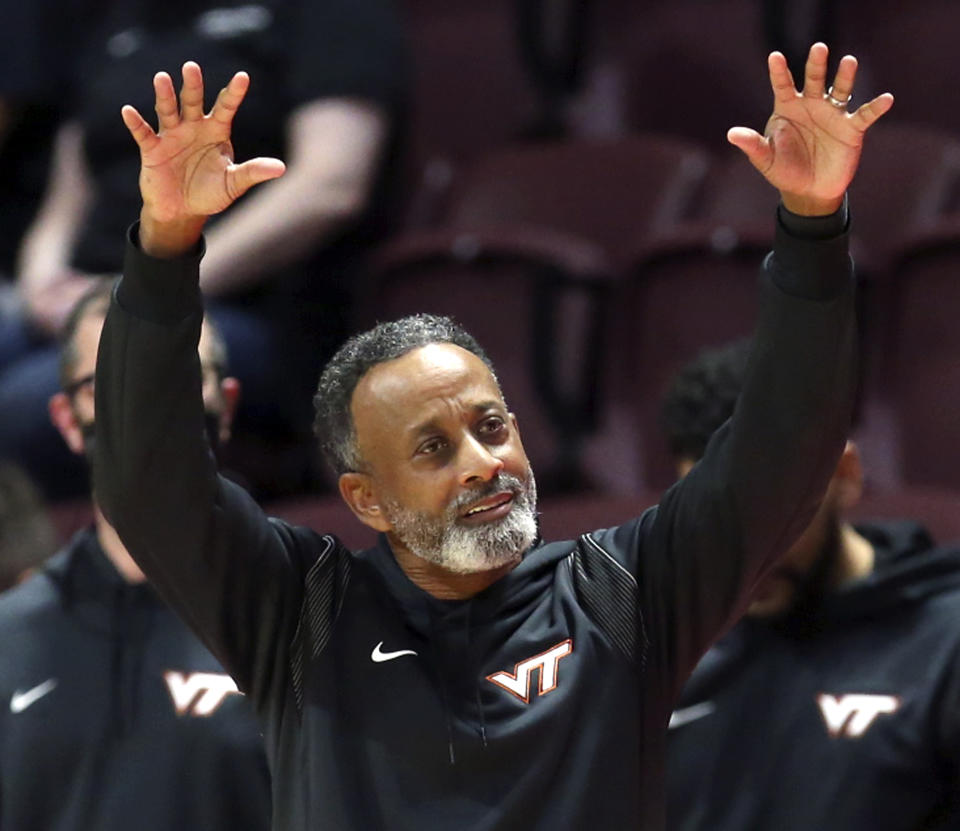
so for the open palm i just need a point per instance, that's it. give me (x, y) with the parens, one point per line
(187, 168)
(811, 147)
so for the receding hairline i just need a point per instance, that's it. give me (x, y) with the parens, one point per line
(465, 359)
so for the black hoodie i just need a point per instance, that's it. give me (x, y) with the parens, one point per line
(854, 726)
(113, 715)
(542, 702)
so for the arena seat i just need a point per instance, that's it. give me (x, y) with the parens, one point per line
(907, 48)
(693, 69)
(692, 288)
(609, 193)
(471, 93)
(921, 371)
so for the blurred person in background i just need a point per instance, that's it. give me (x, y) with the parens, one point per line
(835, 703)
(114, 716)
(26, 535)
(280, 266)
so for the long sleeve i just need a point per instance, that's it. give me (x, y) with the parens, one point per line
(232, 574)
(697, 556)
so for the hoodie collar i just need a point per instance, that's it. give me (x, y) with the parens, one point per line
(908, 568)
(82, 572)
(511, 591)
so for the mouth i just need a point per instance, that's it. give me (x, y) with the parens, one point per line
(489, 509)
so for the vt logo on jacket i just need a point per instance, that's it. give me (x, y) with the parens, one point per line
(852, 715)
(199, 693)
(518, 682)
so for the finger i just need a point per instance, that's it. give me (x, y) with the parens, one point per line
(871, 111)
(230, 98)
(242, 177)
(168, 114)
(815, 72)
(780, 78)
(843, 80)
(191, 93)
(754, 146)
(142, 132)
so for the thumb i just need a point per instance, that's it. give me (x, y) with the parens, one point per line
(242, 177)
(754, 146)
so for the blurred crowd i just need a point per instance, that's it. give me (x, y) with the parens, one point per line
(529, 167)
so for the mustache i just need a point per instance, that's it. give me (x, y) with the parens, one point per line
(501, 483)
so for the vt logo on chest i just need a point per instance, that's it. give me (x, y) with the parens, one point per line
(199, 693)
(546, 666)
(852, 715)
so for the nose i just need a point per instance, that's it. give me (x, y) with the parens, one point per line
(477, 463)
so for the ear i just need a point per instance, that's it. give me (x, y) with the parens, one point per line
(359, 493)
(63, 418)
(848, 478)
(230, 390)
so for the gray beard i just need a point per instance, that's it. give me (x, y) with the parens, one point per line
(469, 549)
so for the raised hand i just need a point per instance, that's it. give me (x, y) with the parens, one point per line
(811, 145)
(187, 171)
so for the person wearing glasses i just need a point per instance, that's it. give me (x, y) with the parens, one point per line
(113, 715)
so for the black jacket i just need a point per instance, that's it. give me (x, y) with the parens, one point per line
(542, 702)
(113, 715)
(852, 725)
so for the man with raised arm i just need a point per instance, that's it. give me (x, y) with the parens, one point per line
(463, 673)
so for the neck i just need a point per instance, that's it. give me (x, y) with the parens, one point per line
(441, 583)
(856, 556)
(115, 550)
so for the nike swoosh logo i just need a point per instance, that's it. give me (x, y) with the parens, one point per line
(688, 714)
(378, 657)
(21, 700)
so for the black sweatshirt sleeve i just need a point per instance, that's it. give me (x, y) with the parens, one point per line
(698, 554)
(231, 573)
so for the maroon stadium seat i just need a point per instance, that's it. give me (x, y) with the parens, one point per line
(908, 49)
(922, 369)
(471, 93)
(610, 193)
(908, 178)
(693, 69)
(693, 288)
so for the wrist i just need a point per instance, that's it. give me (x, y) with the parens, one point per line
(802, 205)
(167, 239)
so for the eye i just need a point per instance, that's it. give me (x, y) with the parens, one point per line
(431, 446)
(491, 427)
